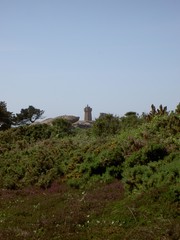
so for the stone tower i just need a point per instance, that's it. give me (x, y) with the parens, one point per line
(87, 113)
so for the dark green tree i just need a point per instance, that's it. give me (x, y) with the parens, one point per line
(5, 116)
(131, 114)
(28, 115)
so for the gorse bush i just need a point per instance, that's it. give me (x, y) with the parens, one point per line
(108, 161)
(61, 127)
(154, 152)
(30, 134)
(131, 120)
(142, 154)
(106, 124)
(153, 174)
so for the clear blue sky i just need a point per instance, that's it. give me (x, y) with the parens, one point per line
(115, 55)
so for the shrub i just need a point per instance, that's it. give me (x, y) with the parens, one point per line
(61, 127)
(37, 132)
(136, 177)
(106, 124)
(152, 175)
(131, 120)
(150, 153)
(107, 164)
(173, 194)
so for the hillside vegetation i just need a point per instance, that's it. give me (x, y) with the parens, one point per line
(119, 179)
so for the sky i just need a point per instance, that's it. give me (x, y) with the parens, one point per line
(114, 55)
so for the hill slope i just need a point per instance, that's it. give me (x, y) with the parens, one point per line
(58, 182)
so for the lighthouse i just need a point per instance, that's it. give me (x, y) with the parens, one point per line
(87, 114)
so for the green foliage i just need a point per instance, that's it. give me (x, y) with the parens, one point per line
(130, 155)
(28, 115)
(140, 154)
(25, 134)
(153, 174)
(130, 120)
(157, 112)
(37, 132)
(154, 152)
(106, 124)
(61, 127)
(108, 161)
(173, 194)
(5, 117)
(177, 110)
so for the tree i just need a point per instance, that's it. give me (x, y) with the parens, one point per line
(131, 114)
(28, 115)
(5, 116)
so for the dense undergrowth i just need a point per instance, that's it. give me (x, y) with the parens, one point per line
(119, 182)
